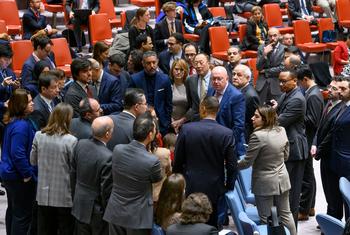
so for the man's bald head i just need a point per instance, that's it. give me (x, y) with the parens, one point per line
(219, 78)
(101, 127)
(292, 62)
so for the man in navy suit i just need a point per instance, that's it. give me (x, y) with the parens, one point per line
(340, 155)
(203, 151)
(115, 68)
(322, 149)
(44, 103)
(157, 88)
(167, 57)
(42, 51)
(232, 106)
(108, 89)
(167, 26)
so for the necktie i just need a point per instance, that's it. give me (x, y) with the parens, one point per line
(303, 8)
(203, 89)
(173, 27)
(51, 106)
(218, 95)
(89, 92)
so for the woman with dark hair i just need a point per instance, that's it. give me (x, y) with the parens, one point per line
(100, 53)
(135, 61)
(268, 149)
(256, 30)
(171, 196)
(17, 175)
(52, 152)
(33, 85)
(179, 74)
(139, 25)
(196, 210)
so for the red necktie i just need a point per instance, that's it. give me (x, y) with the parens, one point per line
(89, 92)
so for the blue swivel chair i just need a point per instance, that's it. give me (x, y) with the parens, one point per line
(330, 225)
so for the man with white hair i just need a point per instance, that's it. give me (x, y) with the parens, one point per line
(240, 78)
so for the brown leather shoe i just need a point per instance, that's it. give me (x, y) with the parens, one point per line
(312, 212)
(303, 217)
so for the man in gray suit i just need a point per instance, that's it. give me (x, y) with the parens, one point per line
(134, 104)
(89, 110)
(197, 86)
(92, 179)
(269, 63)
(291, 109)
(130, 208)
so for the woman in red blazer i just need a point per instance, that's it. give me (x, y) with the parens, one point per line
(341, 55)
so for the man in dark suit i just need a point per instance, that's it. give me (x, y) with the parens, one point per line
(269, 63)
(135, 104)
(167, 26)
(234, 59)
(203, 161)
(144, 43)
(241, 78)
(115, 68)
(197, 86)
(80, 88)
(92, 179)
(190, 51)
(157, 88)
(134, 168)
(340, 154)
(232, 106)
(300, 10)
(314, 108)
(322, 149)
(108, 89)
(167, 57)
(80, 127)
(42, 50)
(44, 103)
(291, 109)
(71, 5)
(33, 20)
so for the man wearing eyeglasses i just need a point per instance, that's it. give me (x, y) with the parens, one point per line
(190, 51)
(234, 58)
(269, 64)
(291, 110)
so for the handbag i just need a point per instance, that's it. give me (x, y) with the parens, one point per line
(329, 36)
(274, 225)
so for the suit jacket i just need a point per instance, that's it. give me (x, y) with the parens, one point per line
(323, 138)
(91, 179)
(202, 164)
(123, 129)
(74, 4)
(134, 170)
(5, 91)
(267, 152)
(252, 102)
(191, 85)
(161, 33)
(314, 108)
(124, 80)
(81, 128)
(32, 24)
(273, 65)
(40, 115)
(294, 9)
(164, 61)
(110, 95)
(163, 97)
(28, 66)
(232, 114)
(75, 94)
(190, 229)
(340, 160)
(291, 113)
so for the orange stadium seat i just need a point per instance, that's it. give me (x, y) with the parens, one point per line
(242, 30)
(63, 57)
(219, 45)
(107, 6)
(21, 51)
(9, 13)
(273, 18)
(255, 72)
(102, 32)
(220, 11)
(343, 10)
(303, 39)
(3, 28)
(188, 36)
(323, 25)
(54, 9)
(143, 3)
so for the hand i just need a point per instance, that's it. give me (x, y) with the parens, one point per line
(177, 124)
(25, 180)
(54, 31)
(309, 18)
(7, 81)
(268, 49)
(93, 12)
(42, 8)
(344, 62)
(313, 150)
(16, 84)
(6, 104)
(71, 15)
(274, 104)
(179, 10)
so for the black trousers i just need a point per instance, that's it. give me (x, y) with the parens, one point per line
(78, 33)
(296, 172)
(119, 230)
(330, 183)
(55, 220)
(97, 226)
(204, 39)
(308, 190)
(20, 200)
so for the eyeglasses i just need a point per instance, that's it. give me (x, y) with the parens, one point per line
(285, 81)
(219, 79)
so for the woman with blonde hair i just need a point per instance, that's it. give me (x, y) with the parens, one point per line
(257, 30)
(52, 152)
